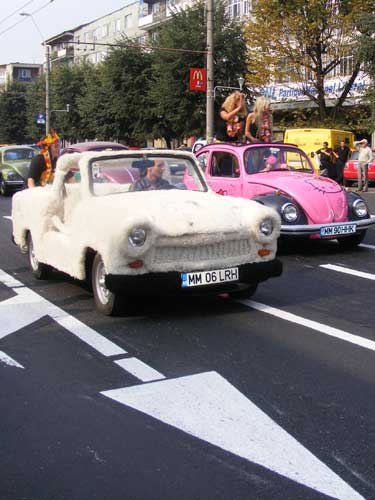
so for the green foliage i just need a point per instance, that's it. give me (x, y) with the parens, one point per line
(303, 41)
(13, 114)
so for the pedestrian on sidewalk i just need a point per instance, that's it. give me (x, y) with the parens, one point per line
(341, 153)
(364, 158)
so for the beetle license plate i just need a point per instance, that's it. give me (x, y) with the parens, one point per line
(338, 230)
(209, 277)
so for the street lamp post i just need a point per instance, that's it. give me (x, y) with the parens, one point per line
(210, 96)
(47, 69)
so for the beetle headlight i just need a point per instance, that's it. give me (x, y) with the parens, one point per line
(137, 237)
(289, 212)
(12, 176)
(360, 208)
(266, 227)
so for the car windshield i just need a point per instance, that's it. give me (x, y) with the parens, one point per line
(19, 154)
(266, 158)
(144, 173)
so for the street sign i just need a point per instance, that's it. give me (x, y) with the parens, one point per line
(41, 118)
(198, 79)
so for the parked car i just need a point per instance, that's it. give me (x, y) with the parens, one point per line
(172, 240)
(351, 167)
(14, 167)
(81, 147)
(281, 176)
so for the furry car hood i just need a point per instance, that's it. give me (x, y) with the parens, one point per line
(176, 213)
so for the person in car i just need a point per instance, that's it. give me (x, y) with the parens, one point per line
(151, 176)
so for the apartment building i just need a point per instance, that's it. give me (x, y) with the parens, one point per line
(18, 72)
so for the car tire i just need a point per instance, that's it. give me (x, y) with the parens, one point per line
(40, 271)
(107, 302)
(351, 242)
(244, 294)
(4, 191)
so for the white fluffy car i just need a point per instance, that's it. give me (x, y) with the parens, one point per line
(95, 222)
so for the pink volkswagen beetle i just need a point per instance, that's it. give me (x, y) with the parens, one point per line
(281, 176)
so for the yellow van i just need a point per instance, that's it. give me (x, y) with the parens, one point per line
(311, 139)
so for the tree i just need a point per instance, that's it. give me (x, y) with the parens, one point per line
(176, 112)
(303, 41)
(13, 114)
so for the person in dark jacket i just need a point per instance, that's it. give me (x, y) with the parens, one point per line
(342, 154)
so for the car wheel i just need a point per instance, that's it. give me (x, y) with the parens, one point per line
(4, 191)
(244, 294)
(40, 271)
(350, 242)
(107, 303)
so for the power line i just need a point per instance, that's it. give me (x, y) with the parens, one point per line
(24, 18)
(137, 46)
(16, 11)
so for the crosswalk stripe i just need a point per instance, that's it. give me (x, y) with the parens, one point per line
(4, 358)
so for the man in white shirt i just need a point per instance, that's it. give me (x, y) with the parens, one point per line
(364, 158)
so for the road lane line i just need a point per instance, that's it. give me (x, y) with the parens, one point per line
(27, 307)
(139, 369)
(346, 270)
(4, 358)
(7, 217)
(313, 325)
(364, 245)
(208, 407)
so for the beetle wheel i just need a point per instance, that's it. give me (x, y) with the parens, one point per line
(351, 242)
(4, 191)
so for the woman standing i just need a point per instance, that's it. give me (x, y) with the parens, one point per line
(259, 123)
(232, 117)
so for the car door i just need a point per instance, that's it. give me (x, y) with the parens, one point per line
(223, 173)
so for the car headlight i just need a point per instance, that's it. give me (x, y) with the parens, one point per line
(360, 208)
(12, 176)
(137, 237)
(266, 227)
(289, 212)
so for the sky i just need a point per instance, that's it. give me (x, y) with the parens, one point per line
(20, 38)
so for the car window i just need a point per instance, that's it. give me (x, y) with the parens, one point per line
(224, 164)
(119, 175)
(19, 154)
(262, 158)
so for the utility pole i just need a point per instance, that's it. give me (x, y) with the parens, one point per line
(48, 113)
(210, 72)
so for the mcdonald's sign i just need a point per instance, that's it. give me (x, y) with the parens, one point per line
(198, 79)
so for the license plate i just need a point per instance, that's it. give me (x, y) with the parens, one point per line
(338, 230)
(209, 277)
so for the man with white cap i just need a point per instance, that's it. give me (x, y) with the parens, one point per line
(364, 158)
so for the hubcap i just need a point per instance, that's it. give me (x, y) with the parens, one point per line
(102, 291)
(33, 260)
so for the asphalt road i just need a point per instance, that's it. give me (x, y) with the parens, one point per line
(201, 399)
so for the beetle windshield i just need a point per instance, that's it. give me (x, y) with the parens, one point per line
(271, 158)
(144, 173)
(19, 154)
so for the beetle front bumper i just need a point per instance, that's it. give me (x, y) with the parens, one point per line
(314, 229)
(171, 282)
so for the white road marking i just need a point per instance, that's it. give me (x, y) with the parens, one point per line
(7, 217)
(4, 358)
(347, 270)
(27, 307)
(313, 325)
(364, 245)
(139, 369)
(208, 407)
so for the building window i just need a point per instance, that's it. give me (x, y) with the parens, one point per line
(246, 7)
(105, 30)
(234, 8)
(128, 21)
(117, 26)
(24, 75)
